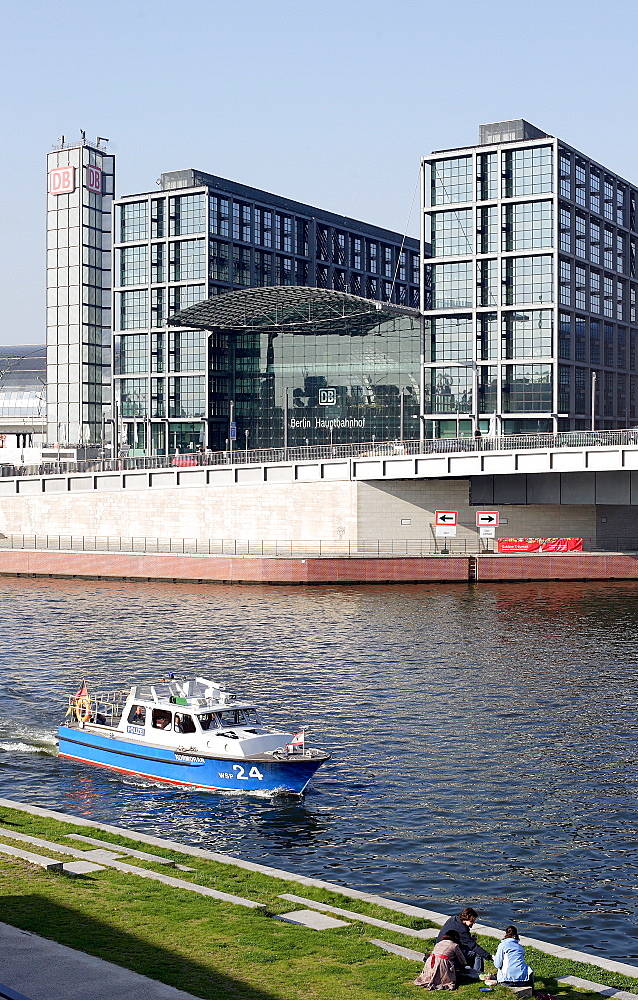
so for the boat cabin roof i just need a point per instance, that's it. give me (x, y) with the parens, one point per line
(194, 695)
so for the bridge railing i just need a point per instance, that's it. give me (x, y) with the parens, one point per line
(368, 449)
(282, 548)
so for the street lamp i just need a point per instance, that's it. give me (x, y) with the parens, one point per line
(246, 433)
(593, 400)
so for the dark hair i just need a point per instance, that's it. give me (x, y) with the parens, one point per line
(511, 932)
(452, 936)
(468, 913)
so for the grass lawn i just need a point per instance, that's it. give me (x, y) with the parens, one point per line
(220, 951)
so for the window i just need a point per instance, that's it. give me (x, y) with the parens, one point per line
(565, 281)
(133, 221)
(565, 222)
(564, 388)
(356, 259)
(284, 274)
(608, 398)
(451, 181)
(608, 207)
(621, 394)
(263, 268)
(241, 266)
(157, 352)
(620, 253)
(609, 248)
(487, 282)
(158, 306)
(528, 171)
(448, 390)
(219, 261)
(581, 235)
(580, 185)
(186, 396)
(564, 171)
(302, 237)
(528, 280)
(620, 300)
(133, 265)
(186, 214)
(219, 216)
(338, 248)
(564, 336)
(183, 296)
(158, 401)
(488, 236)
(620, 205)
(451, 285)
(594, 342)
(373, 264)
(632, 303)
(594, 190)
(580, 390)
(580, 343)
(186, 350)
(594, 291)
(187, 260)
(527, 388)
(528, 226)
(580, 287)
(594, 242)
(388, 267)
(133, 310)
(608, 297)
(450, 338)
(487, 165)
(133, 357)
(158, 253)
(133, 397)
(487, 337)
(621, 341)
(452, 233)
(158, 211)
(528, 334)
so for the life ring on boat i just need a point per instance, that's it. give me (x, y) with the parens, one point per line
(82, 709)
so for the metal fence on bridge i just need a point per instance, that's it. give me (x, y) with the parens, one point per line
(447, 446)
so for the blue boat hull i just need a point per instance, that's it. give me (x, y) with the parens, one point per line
(288, 776)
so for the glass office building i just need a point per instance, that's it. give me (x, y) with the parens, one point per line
(81, 178)
(295, 366)
(201, 236)
(530, 292)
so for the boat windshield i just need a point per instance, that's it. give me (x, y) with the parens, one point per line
(237, 717)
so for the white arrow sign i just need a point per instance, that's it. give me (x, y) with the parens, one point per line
(488, 517)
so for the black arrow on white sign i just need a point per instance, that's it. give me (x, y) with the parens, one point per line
(446, 517)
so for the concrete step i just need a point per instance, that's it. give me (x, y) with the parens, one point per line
(429, 932)
(397, 949)
(34, 859)
(81, 867)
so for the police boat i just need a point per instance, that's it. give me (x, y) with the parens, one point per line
(187, 732)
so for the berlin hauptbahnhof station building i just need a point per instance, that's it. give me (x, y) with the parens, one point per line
(517, 311)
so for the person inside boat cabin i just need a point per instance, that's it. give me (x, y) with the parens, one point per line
(137, 715)
(161, 719)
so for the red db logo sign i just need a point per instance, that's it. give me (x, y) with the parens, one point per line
(62, 180)
(94, 179)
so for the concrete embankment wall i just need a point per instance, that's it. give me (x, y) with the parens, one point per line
(344, 511)
(247, 569)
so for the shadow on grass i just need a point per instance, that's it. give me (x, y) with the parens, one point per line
(77, 930)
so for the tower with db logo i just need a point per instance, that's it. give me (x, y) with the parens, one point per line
(80, 189)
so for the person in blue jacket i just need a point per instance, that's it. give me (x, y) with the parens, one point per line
(512, 969)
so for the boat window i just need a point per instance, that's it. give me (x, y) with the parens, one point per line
(251, 716)
(162, 719)
(208, 721)
(184, 724)
(137, 715)
(233, 717)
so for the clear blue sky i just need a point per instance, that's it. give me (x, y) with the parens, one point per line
(331, 103)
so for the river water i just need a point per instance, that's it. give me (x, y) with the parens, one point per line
(483, 739)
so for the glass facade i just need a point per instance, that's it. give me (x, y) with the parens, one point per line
(201, 236)
(539, 279)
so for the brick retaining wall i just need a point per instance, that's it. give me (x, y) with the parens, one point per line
(312, 570)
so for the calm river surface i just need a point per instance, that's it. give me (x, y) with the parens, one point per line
(484, 739)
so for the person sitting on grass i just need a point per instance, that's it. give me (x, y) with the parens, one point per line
(473, 952)
(442, 965)
(512, 970)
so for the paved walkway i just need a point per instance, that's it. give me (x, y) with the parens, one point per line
(43, 970)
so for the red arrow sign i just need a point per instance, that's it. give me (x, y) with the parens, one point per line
(446, 517)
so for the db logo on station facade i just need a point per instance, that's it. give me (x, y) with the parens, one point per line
(62, 180)
(94, 179)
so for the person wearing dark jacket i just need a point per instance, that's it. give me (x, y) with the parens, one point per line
(468, 944)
